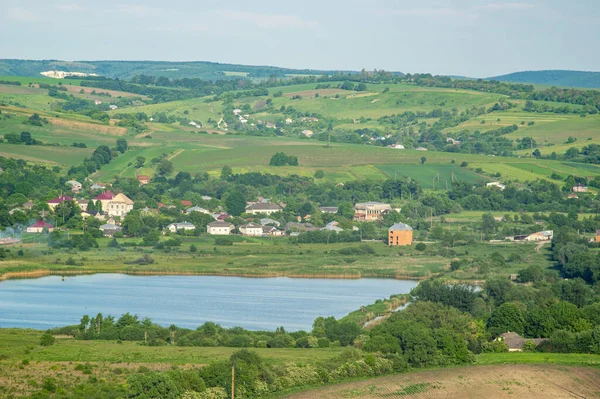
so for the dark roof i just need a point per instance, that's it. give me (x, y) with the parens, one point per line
(400, 226)
(60, 199)
(515, 341)
(218, 223)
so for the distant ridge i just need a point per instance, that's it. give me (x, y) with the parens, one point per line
(562, 78)
(171, 69)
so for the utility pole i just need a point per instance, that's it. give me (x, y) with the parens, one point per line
(232, 379)
(431, 217)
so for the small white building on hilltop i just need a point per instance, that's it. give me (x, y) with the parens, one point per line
(496, 184)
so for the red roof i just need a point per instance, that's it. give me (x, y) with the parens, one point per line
(222, 216)
(143, 177)
(41, 224)
(186, 203)
(107, 195)
(60, 199)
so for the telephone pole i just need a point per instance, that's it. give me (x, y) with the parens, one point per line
(232, 379)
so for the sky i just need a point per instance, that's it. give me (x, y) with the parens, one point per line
(475, 38)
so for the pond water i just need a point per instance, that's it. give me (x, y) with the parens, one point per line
(189, 301)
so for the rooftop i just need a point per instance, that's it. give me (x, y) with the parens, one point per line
(400, 226)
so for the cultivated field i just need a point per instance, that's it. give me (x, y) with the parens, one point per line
(493, 382)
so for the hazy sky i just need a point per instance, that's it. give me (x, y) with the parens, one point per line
(477, 38)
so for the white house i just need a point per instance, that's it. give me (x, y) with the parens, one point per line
(219, 228)
(75, 185)
(397, 146)
(39, 227)
(307, 133)
(251, 229)
(289, 121)
(175, 227)
(266, 208)
(112, 107)
(545, 235)
(237, 111)
(272, 231)
(120, 205)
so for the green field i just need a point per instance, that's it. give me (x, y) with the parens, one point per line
(433, 176)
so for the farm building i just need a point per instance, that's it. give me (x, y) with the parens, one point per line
(197, 209)
(266, 208)
(400, 234)
(580, 188)
(120, 205)
(251, 229)
(53, 203)
(175, 227)
(143, 179)
(545, 235)
(370, 211)
(110, 229)
(219, 228)
(329, 209)
(39, 226)
(515, 342)
(496, 184)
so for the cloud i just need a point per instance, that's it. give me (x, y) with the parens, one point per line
(139, 11)
(266, 20)
(22, 14)
(442, 12)
(507, 6)
(69, 7)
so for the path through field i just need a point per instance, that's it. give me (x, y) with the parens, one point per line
(489, 382)
(540, 245)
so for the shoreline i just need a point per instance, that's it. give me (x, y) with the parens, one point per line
(32, 274)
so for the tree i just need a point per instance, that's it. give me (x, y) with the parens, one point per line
(139, 162)
(537, 153)
(507, 317)
(226, 172)
(165, 167)
(488, 224)
(319, 174)
(26, 138)
(122, 145)
(423, 160)
(235, 203)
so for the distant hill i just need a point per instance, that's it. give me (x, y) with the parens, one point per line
(127, 69)
(554, 78)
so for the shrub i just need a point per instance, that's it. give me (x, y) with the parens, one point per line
(47, 340)
(421, 247)
(222, 241)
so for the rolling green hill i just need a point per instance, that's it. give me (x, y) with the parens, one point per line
(554, 78)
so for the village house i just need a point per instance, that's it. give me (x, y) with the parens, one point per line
(396, 146)
(219, 228)
(206, 198)
(400, 234)
(370, 211)
(143, 179)
(186, 203)
(328, 209)
(496, 184)
(266, 208)
(332, 226)
(98, 215)
(271, 231)
(300, 227)
(289, 121)
(39, 226)
(110, 229)
(515, 342)
(572, 196)
(421, 149)
(175, 227)
(307, 133)
(112, 107)
(28, 205)
(97, 186)
(82, 203)
(580, 188)
(120, 205)
(267, 221)
(237, 111)
(104, 199)
(251, 229)
(53, 203)
(75, 185)
(452, 141)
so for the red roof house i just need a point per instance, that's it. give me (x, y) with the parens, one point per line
(39, 226)
(53, 203)
(186, 203)
(107, 195)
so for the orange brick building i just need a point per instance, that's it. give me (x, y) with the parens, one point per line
(400, 234)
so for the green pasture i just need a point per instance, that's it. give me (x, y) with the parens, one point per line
(53, 155)
(433, 175)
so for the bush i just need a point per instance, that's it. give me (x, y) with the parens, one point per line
(421, 247)
(222, 241)
(47, 340)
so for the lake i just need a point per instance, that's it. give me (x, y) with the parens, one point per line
(189, 301)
